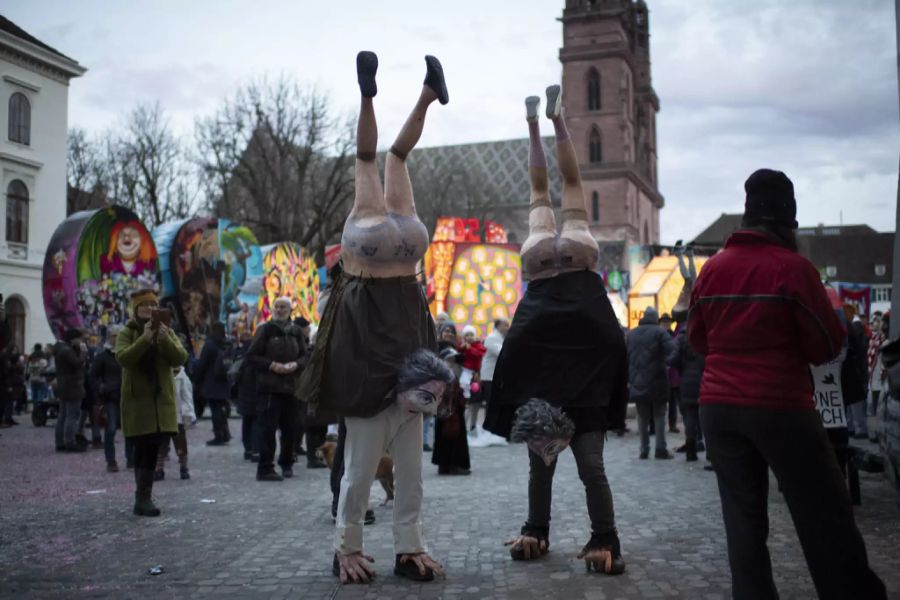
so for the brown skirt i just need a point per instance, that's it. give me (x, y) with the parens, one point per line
(369, 327)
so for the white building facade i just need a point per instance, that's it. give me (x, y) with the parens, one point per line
(34, 99)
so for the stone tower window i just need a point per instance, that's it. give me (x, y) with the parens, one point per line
(595, 207)
(593, 89)
(17, 212)
(595, 147)
(19, 119)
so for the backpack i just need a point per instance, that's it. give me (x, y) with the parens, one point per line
(221, 365)
(234, 371)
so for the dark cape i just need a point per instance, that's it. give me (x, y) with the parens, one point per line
(368, 328)
(565, 346)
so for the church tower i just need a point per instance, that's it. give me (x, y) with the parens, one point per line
(611, 112)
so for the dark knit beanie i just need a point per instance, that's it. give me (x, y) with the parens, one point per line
(770, 199)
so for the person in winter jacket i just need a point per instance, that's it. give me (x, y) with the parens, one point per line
(689, 364)
(244, 391)
(211, 374)
(184, 399)
(106, 378)
(760, 314)
(649, 349)
(147, 354)
(36, 368)
(71, 356)
(473, 352)
(275, 352)
(855, 375)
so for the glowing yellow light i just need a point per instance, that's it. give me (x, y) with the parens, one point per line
(472, 278)
(479, 316)
(462, 265)
(479, 255)
(470, 297)
(456, 288)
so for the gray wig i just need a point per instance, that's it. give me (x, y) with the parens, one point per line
(419, 368)
(538, 419)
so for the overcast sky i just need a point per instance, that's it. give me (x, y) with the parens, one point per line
(806, 86)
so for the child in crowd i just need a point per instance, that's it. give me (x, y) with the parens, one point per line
(184, 398)
(472, 350)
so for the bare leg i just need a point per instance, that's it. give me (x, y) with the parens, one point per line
(397, 187)
(369, 199)
(574, 212)
(541, 220)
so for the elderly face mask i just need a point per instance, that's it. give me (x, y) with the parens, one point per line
(549, 448)
(425, 398)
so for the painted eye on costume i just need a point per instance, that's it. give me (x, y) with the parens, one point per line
(424, 397)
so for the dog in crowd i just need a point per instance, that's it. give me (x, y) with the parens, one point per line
(384, 474)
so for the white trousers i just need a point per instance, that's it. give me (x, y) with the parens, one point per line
(399, 433)
(465, 382)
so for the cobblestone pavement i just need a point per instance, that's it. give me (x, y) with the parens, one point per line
(66, 530)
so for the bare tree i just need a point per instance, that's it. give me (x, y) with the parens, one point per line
(147, 170)
(275, 158)
(84, 173)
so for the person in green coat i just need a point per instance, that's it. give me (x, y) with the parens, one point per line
(147, 355)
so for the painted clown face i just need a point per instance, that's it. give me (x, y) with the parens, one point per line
(129, 244)
(548, 448)
(424, 398)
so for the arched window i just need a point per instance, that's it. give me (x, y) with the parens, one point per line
(19, 119)
(593, 86)
(595, 147)
(15, 316)
(595, 207)
(17, 212)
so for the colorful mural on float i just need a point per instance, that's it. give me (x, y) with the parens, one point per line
(475, 282)
(658, 286)
(289, 271)
(485, 284)
(211, 271)
(94, 261)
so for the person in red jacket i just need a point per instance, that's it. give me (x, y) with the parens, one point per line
(473, 350)
(760, 314)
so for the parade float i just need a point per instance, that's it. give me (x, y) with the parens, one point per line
(474, 282)
(288, 271)
(211, 271)
(658, 286)
(94, 260)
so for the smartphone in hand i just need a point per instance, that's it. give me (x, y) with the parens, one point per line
(160, 315)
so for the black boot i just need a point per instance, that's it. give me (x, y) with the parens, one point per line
(434, 78)
(366, 67)
(690, 450)
(143, 496)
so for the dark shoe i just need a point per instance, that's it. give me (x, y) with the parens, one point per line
(434, 78)
(216, 442)
(691, 451)
(460, 471)
(663, 454)
(335, 566)
(254, 457)
(76, 448)
(287, 472)
(682, 448)
(701, 447)
(366, 67)
(708, 467)
(645, 454)
(369, 518)
(314, 462)
(427, 448)
(112, 467)
(80, 439)
(129, 464)
(185, 474)
(301, 451)
(674, 429)
(159, 475)
(144, 507)
(409, 569)
(691, 457)
(97, 444)
(269, 476)
(60, 448)
(247, 455)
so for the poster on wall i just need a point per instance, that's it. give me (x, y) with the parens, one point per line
(94, 261)
(289, 271)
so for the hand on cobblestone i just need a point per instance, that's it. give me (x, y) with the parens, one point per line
(423, 562)
(597, 560)
(531, 546)
(356, 567)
